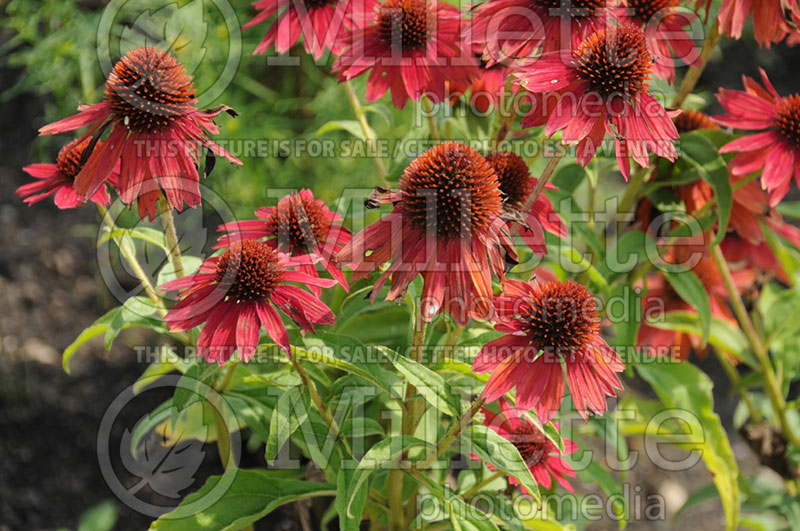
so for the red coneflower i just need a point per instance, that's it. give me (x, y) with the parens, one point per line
(413, 48)
(58, 179)
(236, 293)
(772, 19)
(487, 87)
(775, 151)
(664, 23)
(516, 184)
(512, 29)
(549, 324)
(322, 23)
(156, 133)
(447, 225)
(300, 226)
(601, 87)
(539, 453)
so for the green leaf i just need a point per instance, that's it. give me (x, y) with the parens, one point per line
(459, 367)
(146, 234)
(722, 335)
(701, 495)
(790, 209)
(100, 517)
(502, 454)
(381, 456)
(248, 496)
(190, 265)
(463, 517)
(90, 332)
(703, 155)
(682, 386)
(289, 413)
(430, 385)
(630, 250)
(690, 289)
(349, 502)
(351, 126)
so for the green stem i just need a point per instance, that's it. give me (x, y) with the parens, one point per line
(734, 377)
(172, 237)
(632, 190)
(548, 172)
(130, 257)
(772, 386)
(475, 489)
(318, 403)
(450, 436)
(693, 74)
(369, 134)
(411, 416)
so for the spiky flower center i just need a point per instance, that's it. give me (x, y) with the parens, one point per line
(572, 8)
(690, 120)
(148, 89)
(71, 159)
(249, 270)
(513, 175)
(530, 442)
(615, 61)
(300, 223)
(453, 188)
(562, 318)
(645, 9)
(789, 119)
(405, 23)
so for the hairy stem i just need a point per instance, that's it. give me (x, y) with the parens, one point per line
(318, 403)
(369, 134)
(454, 431)
(773, 386)
(475, 489)
(130, 257)
(172, 237)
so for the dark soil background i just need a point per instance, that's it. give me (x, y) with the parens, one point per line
(50, 290)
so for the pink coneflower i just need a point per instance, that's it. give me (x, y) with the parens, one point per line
(156, 133)
(773, 20)
(447, 225)
(539, 453)
(776, 149)
(236, 293)
(664, 23)
(58, 179)
(549, 325)
(512, 29)
(486, 90)
(413, 48)
(517, 184)
(300, 226)
(601, 88)
(322, 23)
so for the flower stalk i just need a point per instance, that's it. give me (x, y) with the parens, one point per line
(369, 134)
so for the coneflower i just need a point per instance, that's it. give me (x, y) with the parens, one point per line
(237, 293)
(156, 133)
(548, 325)
(448, 225)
